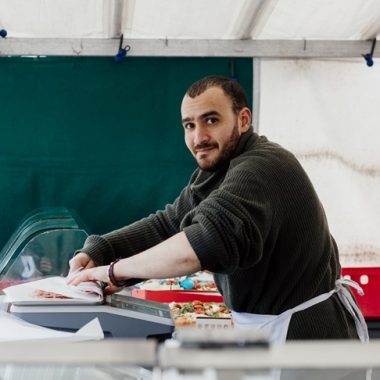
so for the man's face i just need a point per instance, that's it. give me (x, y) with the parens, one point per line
(212, 129)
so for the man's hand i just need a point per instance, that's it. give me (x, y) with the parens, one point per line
(99, 274)
(80, 261)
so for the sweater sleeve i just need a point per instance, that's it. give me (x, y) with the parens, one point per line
(229, 228)
(138, 236)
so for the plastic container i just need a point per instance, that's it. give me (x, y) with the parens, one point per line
(369, 280)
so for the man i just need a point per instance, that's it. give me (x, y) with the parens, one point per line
(250, 215)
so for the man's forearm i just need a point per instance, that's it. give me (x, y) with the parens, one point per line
(173, 257)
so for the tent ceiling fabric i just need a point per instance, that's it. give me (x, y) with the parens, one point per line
(212, 19)
(253, 19)
(53, 19)
(323, 20)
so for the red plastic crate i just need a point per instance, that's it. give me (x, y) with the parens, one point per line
(167, 296)
(369, 280)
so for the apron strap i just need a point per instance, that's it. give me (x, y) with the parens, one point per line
(349, 303)
(345, 296)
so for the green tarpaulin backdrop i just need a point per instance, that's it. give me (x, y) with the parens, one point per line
(102, 138)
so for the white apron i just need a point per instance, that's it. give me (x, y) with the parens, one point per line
(277, 325)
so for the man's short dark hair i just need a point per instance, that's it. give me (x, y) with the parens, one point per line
(230, 87)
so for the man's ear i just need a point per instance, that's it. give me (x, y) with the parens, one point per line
(245, 117)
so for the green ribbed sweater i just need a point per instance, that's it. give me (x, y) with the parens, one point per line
(258, 225)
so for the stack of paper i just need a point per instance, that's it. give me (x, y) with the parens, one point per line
(53, 290)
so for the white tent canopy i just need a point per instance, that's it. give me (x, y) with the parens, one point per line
(313, 92)
(257, 28)
(212, 19)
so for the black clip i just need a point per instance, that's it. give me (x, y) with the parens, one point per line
(369, 56)
(3, 33)
(122, 52)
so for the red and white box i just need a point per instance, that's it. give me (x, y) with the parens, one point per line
(167, 296)
(369, 280)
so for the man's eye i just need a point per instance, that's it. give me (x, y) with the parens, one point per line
(211, 120)
(188, 126)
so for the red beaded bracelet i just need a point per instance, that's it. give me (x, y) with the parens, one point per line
(111, 275)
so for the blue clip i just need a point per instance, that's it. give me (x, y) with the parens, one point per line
(369, 56)
(122, 52)
(3, 33)
(369, 60)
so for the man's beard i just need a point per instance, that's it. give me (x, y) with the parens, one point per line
(224, 156)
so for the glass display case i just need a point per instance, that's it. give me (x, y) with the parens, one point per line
(41, 246)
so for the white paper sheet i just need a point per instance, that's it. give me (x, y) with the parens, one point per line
(15, 329)
(84, 293)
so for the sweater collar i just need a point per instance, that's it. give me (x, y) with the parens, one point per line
(246, 139)
(202, 179)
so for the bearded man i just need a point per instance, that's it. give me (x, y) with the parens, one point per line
(251, 216)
